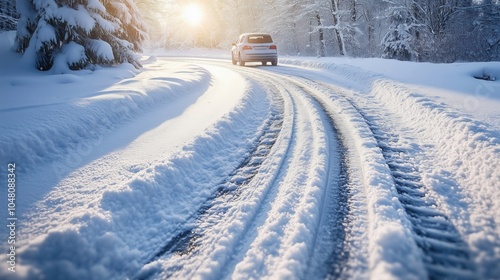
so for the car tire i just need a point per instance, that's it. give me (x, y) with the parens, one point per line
(264, 63)
(241, 61)
(233, 60)
(274, 62)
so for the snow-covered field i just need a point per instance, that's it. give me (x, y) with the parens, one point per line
(194, 168)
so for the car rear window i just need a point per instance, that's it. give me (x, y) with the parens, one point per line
(259, 39)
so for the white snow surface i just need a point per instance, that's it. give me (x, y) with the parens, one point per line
(102, 49)
(453, 84)
(112, 163)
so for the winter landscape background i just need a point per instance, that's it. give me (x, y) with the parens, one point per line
(414, 30)
(132, 148)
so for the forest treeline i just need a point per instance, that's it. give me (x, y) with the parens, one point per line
(415, 30)
(79, 33)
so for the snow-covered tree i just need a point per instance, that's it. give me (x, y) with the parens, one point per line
(75, 33)
(313, 13)
(8, 15)
(287, 30)
(420, 30)
(153, 13)
(398, 43)
(338, 26)
(487, 25)
(371, 23)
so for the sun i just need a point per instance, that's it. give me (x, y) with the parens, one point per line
(193, 14)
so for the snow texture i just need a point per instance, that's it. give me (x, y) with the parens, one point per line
(112, 163)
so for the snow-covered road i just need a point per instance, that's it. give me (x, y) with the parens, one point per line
(195, 168)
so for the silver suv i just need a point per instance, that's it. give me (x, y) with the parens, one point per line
(254, 47)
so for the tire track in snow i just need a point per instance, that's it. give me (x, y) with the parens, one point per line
(445, 254)
(339, 248)
(332, 248)
(226, 254)
(336, 253)
(229, 190)
(281, 203)
(215, 250)
(277, 256)
(185, 241)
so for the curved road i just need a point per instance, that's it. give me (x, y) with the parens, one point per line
(218, 171)
(337, 182)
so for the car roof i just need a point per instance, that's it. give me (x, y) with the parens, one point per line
(255, 34)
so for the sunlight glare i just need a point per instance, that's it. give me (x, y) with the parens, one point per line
(193, 14)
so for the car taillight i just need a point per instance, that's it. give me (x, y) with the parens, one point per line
(247, 48)
(273, 47)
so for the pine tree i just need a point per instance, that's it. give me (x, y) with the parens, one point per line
(8, 15)
(488, 22)
(398, 41)
(79, 32)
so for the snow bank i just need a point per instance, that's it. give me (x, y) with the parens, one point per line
(51, 131)
(454, 84)
(465, 151)
(109, 240)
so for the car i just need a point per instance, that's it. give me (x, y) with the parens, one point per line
(254, 47)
